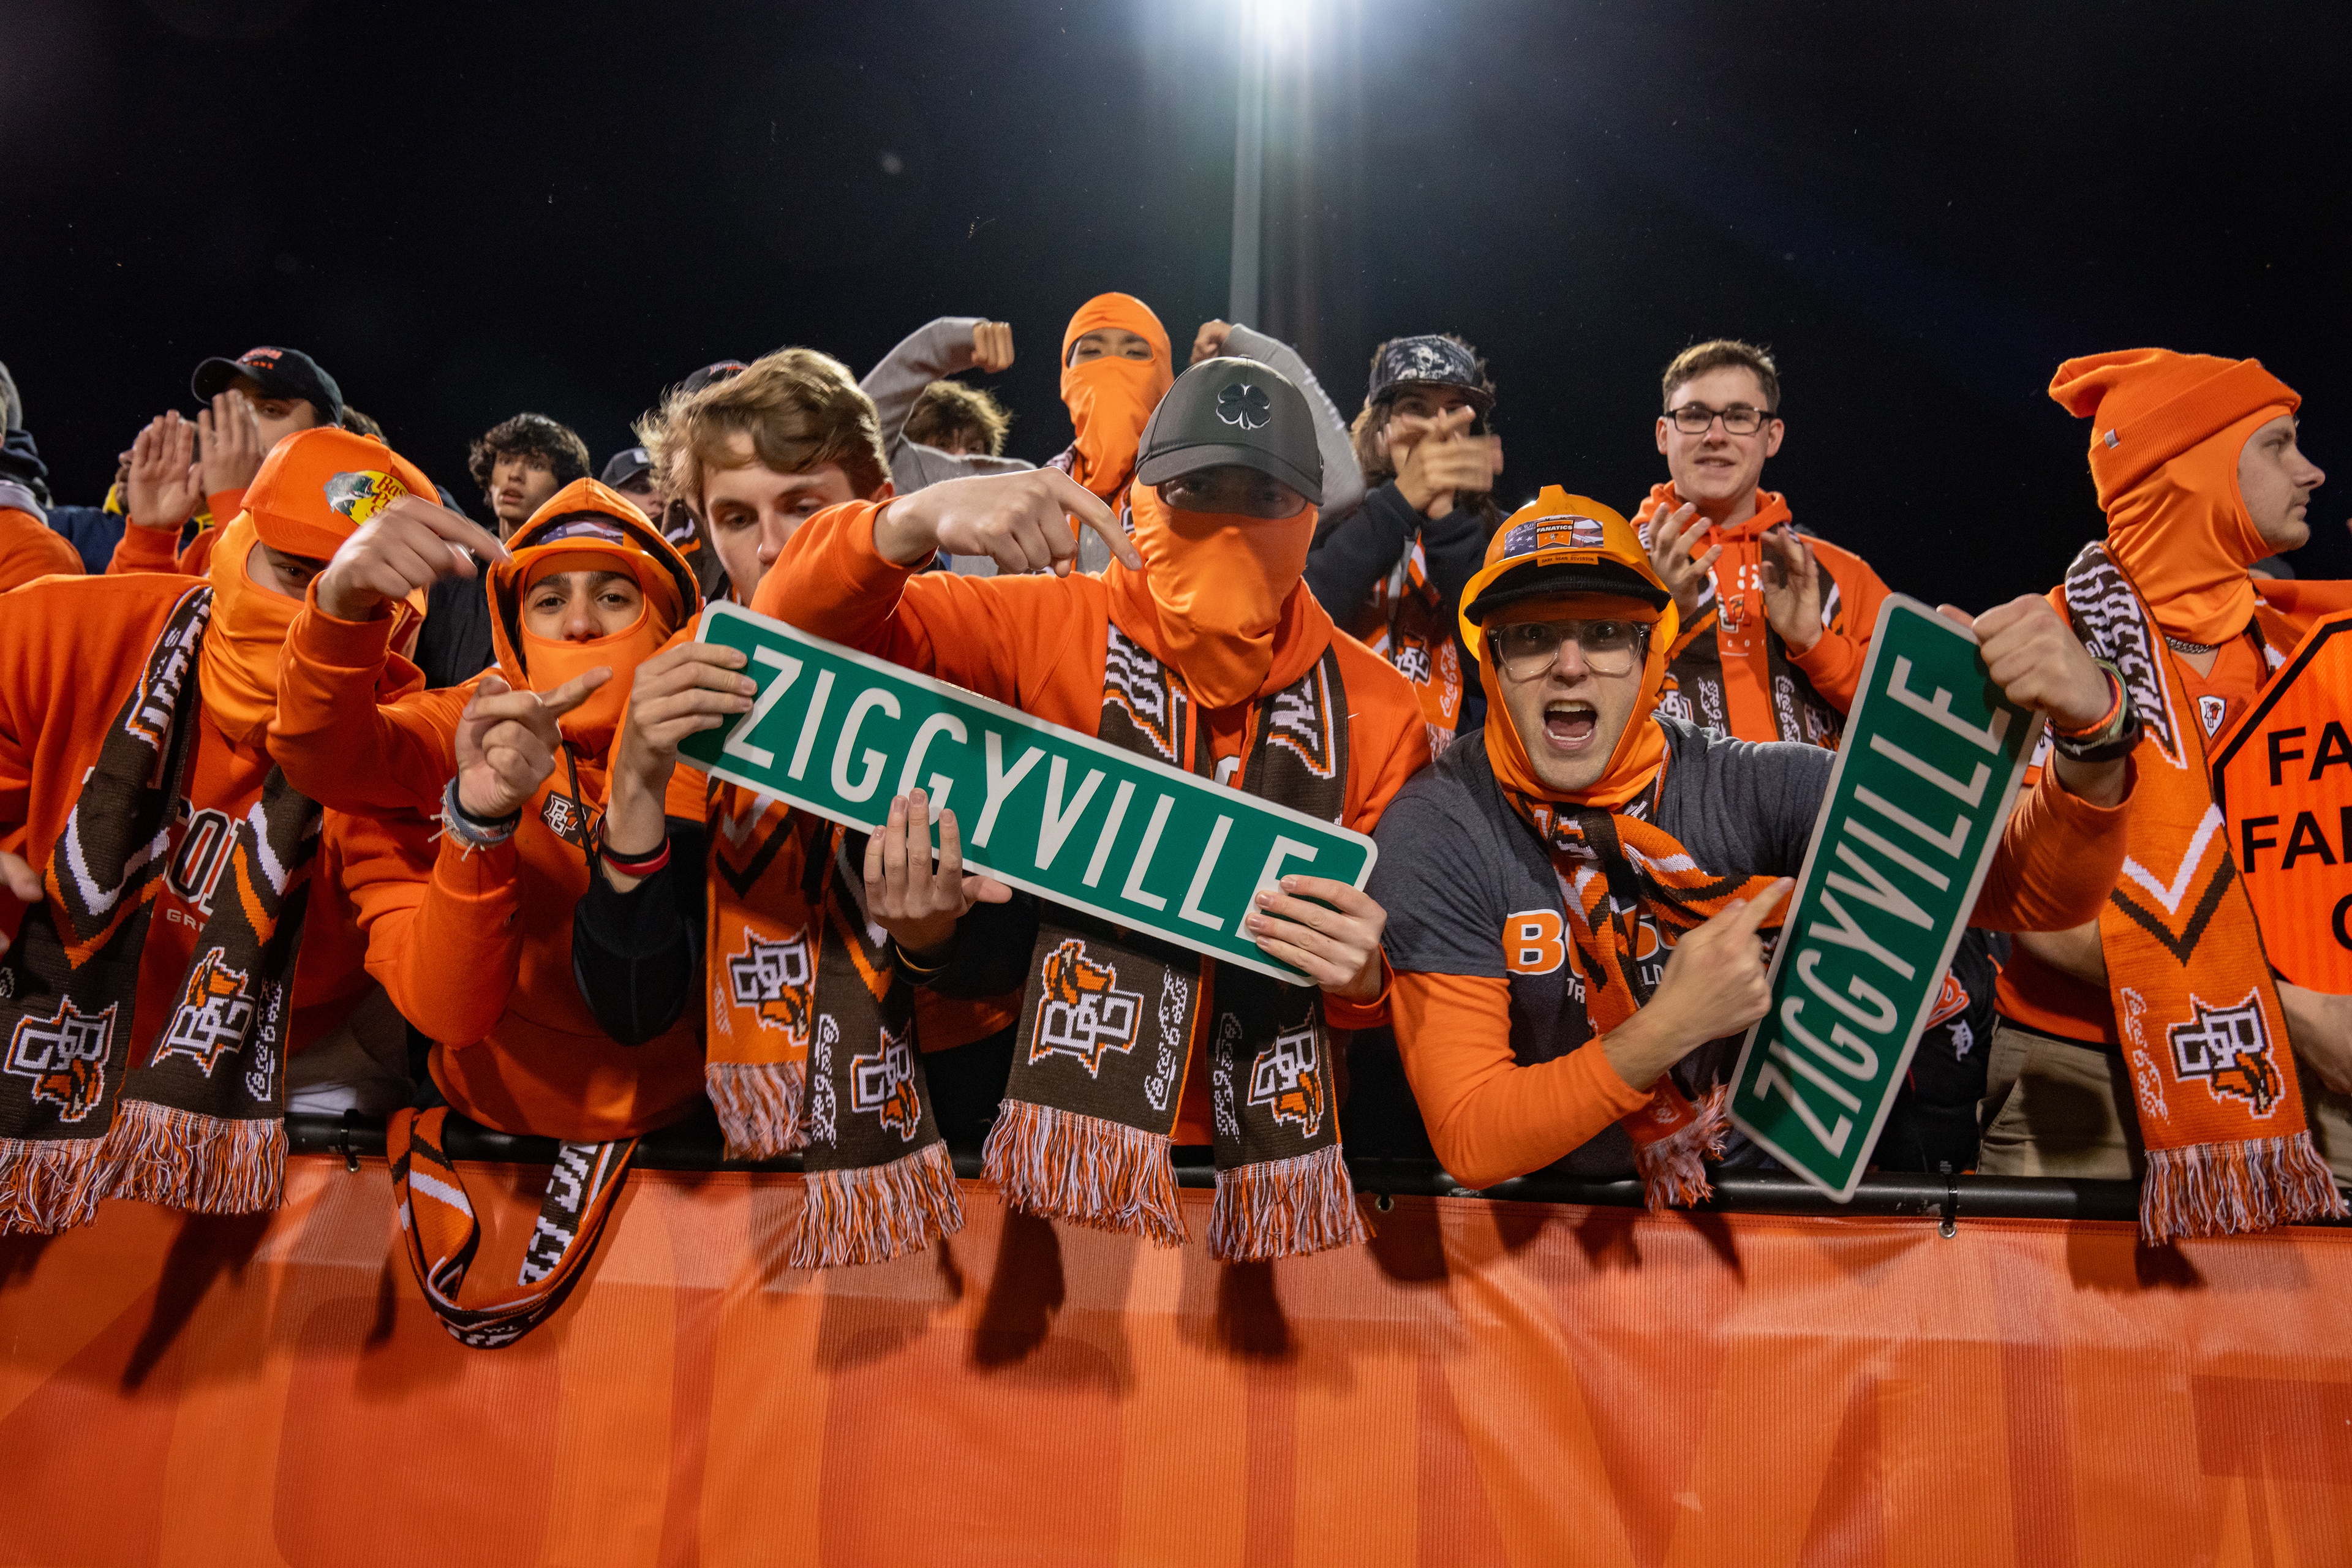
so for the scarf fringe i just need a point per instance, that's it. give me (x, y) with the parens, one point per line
(759, 1106)
(1674, 1169)
(1284, 1208)
(1065, 1166)
(2225, 1189)
(185, 1160)
(48, 1184)
(876, 1213)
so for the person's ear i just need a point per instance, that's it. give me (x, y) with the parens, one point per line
(1774, 431)
(885, 490)
(1662, 434)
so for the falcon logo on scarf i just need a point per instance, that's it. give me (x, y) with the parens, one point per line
(65, 1056)
(2230, 1048)
(1084, 1012)
(772, 978)
(214, 1014)
(882, 1084)
(1283, 1081)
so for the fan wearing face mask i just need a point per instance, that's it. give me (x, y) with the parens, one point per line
(1201, 647)
(515, 762)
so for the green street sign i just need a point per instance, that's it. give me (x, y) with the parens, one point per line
(1044, 808)
(1930, 767)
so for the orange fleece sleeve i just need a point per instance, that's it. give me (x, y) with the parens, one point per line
(1005, 638)
(1489, 1118)
(2059, 857)
(1834, 664)
(29, 550)
(341, 747)
(442, 936)
(144, 549)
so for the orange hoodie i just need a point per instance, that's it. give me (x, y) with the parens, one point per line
(543, 1065)
(29, 550)
(1039, 644)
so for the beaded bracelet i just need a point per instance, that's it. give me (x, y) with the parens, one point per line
(472, 831)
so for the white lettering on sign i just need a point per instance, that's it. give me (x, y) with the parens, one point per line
(1284, 848)
(1054, 828)
(1877, 889)
(1142, 867)
(1967, 793)
(1192, 911)
(1862, 1064)
(1000, 784)
(1847, 932)
(1950, 843)
(871, 780)
(1880, 1020)
(738, 744)
(1110, 831)
(1987, 738)
(936, 725)
(817, 699)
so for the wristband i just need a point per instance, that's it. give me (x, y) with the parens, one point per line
(2105, 721)
(915, 972)
(637, 865)
(472, 831)
(2114, 739)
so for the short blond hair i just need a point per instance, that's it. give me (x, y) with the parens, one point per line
(1720, 353)
(801, 408)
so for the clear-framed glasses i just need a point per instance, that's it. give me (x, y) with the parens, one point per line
(1739, 419)
(1528, 648)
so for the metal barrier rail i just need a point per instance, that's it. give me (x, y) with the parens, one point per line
(1942, 1198)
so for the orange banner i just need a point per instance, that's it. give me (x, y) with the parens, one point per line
(1489, 1384)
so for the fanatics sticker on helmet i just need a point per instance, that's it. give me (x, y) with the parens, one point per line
(1245, 406)
(1562, 531)
(362, 494)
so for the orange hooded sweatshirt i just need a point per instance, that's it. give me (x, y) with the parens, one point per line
(1039, 643)
(1110, 399)
(29, 550)
(2166, 432)
(541, 1065)
(62, 687)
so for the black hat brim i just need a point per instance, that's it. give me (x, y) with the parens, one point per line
(213, 378)
(1162, 467)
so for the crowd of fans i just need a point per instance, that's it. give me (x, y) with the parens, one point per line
(322, 786)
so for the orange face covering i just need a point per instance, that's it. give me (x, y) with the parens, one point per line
(2184, 537)
(1640, 749)
(552, 661)
(1219, 588)
(1111, 399)
(237, 665)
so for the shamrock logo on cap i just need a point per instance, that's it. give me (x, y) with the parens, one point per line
(1245, 406)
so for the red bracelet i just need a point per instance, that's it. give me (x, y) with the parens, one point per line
(641, 865)
(2114, 708)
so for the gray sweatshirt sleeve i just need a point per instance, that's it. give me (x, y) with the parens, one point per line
(1343, 482)
(936, 349)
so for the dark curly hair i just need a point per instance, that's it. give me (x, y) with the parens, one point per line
(530, 435)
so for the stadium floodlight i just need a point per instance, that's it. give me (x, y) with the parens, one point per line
(1269, 31)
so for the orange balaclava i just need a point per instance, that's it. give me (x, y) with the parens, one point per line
(1221, 596)
(1591, 556)
(313, 489)
(1111, 398)
(585, 527)
(2167, 430)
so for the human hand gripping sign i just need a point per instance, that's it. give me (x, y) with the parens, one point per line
(1021, 521)
(1335, 942)
(508, 741)
(916, 901)
(2039, 663)
(411, 544)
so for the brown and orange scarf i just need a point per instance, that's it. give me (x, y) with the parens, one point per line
(201, 1124)
(2213, 1077)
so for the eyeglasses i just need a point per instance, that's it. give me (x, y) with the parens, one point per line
(1692, 418)
(1528, 648)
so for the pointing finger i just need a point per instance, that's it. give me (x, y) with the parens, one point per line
(1759, 909)
(574, 691)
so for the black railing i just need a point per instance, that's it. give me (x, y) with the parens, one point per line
(694, 1146)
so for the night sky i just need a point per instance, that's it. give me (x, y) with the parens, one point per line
(564, 208)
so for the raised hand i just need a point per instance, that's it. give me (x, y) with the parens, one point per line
(1209, 341)
(918, 903)
(991, 346)
(1674, 539)
(413, 543)
(2033, 655)
(232, 443)
(508, 741)
(1021, 521)
(1793, 589)
(1713, 985)
(166, 483)
(1338, 946)
(1437, 458)
(681, 691)
(18, 877)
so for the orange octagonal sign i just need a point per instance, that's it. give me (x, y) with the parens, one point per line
(2283, 779)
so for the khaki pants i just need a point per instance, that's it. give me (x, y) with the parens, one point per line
(2050, 1109)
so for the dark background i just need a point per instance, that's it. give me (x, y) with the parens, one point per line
(465, 211)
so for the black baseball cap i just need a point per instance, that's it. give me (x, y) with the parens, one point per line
(1429, 359)
(627, 464)
(717, 370)
(1232, 411)
(282, 372)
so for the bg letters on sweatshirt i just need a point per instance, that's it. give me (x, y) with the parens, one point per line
(1041, 807)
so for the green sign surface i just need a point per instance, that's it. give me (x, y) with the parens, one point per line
(1930, 767)
(1044, 808)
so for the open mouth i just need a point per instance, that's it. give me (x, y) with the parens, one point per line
(1569, 725)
